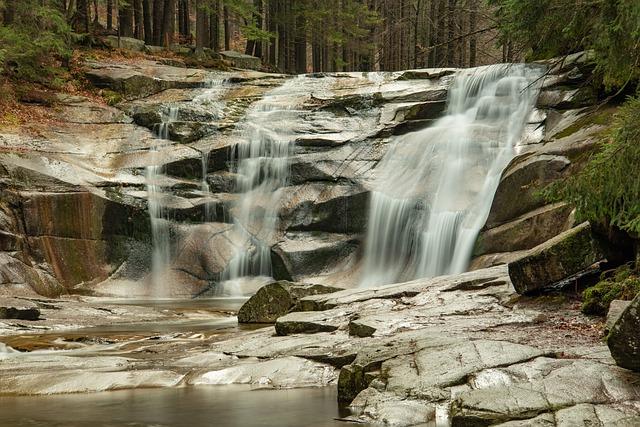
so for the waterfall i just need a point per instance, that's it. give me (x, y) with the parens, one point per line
(160, 232)
(209, 100)
(261, 162)
(434, 188)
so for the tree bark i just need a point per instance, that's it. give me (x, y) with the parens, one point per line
(109, 15)
(227, 31)
(126, 20)
(158, 7)
(168, 22)
(139, 24)
(473, 39)
(148, 21)
(82, 16)
(201, 35)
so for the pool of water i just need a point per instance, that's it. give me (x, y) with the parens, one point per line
(223, 406)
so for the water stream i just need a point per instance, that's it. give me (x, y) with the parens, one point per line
(261, 161)
(434, 188)
(160, 230)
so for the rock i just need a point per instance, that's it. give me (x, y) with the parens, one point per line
(624, 339)
(18, 309)
(310, 254)
(288, 372)
(126, 43)
(568, 98)
(557, 259)
(143, 79)
(616, 308)
(240, 60)
(277, 299)
(526, 232)
(326, 207)
(86, 381)
(526, 390)
(522, 179)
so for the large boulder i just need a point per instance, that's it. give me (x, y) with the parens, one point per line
(126, 43)
(518, 190)
(240, 60)
(624, 339)
(557, 259)
(526, 232)
(277, 299)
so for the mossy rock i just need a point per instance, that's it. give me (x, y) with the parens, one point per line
(566, 255)
(624, 285)
(277, 299)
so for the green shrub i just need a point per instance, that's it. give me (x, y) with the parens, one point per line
(607, 190)
(624, 285)
(33, 44)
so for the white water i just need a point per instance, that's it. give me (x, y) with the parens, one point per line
(434, 188)
(262, 166)
(210, 99)
(160, 231)
(213, 100)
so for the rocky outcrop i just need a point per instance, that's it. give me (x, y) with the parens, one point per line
(240, 60)
(18, 309)
(277, 299)
(624, 340)
(565, 255)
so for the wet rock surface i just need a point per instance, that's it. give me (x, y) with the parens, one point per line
(277, 299)
(624, 340)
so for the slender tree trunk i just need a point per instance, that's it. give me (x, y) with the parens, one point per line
(148, 21)
(201, 35)
(139, 24)
(227, 29)
(9, 12)
(82, 16)
(109, 15)
(214, 26)
(473, 39)
(451, 33)
(158, 8)
(126, 20)
(168, 22)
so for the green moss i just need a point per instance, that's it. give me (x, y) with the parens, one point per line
(623, 285)
(112, 98)
(601, 117)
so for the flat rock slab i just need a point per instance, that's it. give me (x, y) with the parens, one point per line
(287, 372)
(543, 385)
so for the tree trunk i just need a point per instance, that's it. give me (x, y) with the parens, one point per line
(227, 32)
(158, 7)
(201, 35)
(8, 14)
(214, 26)
(139, 24)
(82, 16)
(168, 22)
(126, 20)
(451, 34)
(148, 20)
(109, 15)
(473, 39)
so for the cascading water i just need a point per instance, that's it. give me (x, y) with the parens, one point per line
(262, 166)
(157, 212)
(212, 99)
(434, 188)
(209, 99)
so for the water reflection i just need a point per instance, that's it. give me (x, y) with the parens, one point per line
(228, 406)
